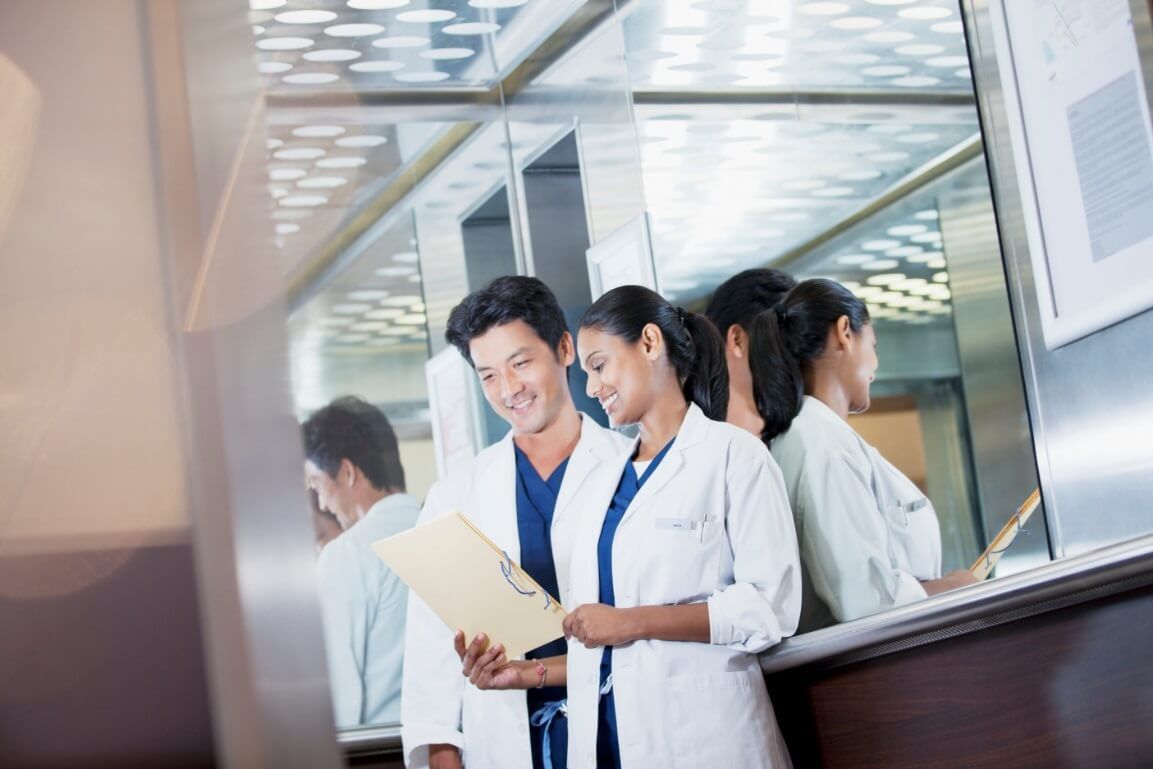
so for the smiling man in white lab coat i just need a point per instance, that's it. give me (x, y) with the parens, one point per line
(352, 462)
(522, 493)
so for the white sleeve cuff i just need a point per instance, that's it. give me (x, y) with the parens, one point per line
(417, 738)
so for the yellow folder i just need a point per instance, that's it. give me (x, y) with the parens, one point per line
(472, 585)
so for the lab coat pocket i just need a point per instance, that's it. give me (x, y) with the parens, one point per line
(723, 720)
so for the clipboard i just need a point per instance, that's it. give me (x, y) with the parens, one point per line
(988, 559)
(472, 585)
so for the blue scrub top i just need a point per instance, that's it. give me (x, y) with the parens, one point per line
(535, 505)
(608, 745)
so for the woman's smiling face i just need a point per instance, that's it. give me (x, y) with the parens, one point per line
(619, 373)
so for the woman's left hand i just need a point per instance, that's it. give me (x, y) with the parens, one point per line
(595, 624)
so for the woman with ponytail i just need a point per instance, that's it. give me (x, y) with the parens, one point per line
(869, 538)
(685, 571)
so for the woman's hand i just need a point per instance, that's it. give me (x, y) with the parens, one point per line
(487, 667)
(595, 624)
(951, 581)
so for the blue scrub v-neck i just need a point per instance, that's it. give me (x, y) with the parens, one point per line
(608, 744)
(536, 500)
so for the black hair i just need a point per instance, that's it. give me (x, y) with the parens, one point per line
(745, 295)
(504, 300)
(784, 341)
(352, 428)
(694, 345)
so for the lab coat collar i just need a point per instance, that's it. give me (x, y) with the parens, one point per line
(693, 430)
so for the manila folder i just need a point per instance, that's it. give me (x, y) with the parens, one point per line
(472, 585)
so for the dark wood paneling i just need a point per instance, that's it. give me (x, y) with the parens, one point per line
(1071, 688)
(101, 662)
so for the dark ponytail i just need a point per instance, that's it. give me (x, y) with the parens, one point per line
(785, 340)
(693, 344)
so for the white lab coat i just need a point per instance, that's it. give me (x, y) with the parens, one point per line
(439, 706)
(867, 533)
(711, 524)
(363, 606)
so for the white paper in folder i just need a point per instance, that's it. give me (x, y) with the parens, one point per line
(472, 585)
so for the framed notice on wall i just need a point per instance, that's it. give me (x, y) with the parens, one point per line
(623, 258)
(1079, 121)
(455, 407)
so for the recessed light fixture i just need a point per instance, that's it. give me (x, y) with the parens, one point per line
(920, 49)
(855, 258)
(400, 41)
(924, 13)
(376, 66)
(322, 182)
(265, 5)
(880, 245)
(400, 301)
(864, 175)
(886, 70)
(310, 78)
(354, 30)
(272, 67)
(335, 322)
(406, 257)
(376, 5)
(421, 77)
(364, 140)
(888, 157)
(822, 9)
(941, 277)
(341, 162)
(889, 36)
(922, 137)
(332, 54)
(303, 201)
(387, 313)
(946, 62)
(447, 54)
(284, 43)
(412, 319)
(350, 308)
(496, 3)
(927, 237)
(856, 22)
(396, 272)
(273, 143)
(880, 264)
(471, 28)
(905, 230)
(833, 192)
(286, 174)
(886, 279)
(258, 30)
(427, 16)
(318, 131)
(299, 153)
(351, 338)
(927, 215)
(916, 81)
(371, 325)
(305, 17)
(287, 228)
(948, 27)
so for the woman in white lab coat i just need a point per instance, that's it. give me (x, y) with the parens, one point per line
(681, 575)
(869, 538)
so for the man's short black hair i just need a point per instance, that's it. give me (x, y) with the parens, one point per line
(352, 428)
(504, 300)
(745, 295)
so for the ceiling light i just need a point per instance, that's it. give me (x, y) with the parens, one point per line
(936, 264)
(376, 66)
(948, 27)
(860, 176)
(287, 228)
(400, 41)
(885, 70)
(350, 338)
(822, 9)
(310, 78)
(396, 272)
(867, 291)
(916, 81)
(406, 257)
(447, 54)
(470, 28)
(941, 277)
(918, 138)
(322, 182)
(421, 77)
(855, 22)
(888, 157)
(396, 331)
(335, 322)
(372, 325)
(354, 30)
(889, 36)
(265, 5)
(318, 131)
(908, 284)
(904, 230)
(341, 162)
(272, 67)
(920, 49)
(904, 251)
(833, 192)
(382, 341)
(350, 308)
(857, 59)
(880, 245)
(299, 153)
(284, 43)
(400, 301)
(924, 13)
(948, 61)
(303, 201)
(803, 184)
(258, 30)
(496, 3)
(286, 174)
(332, 54)
(305, 17)
(927, 215)
(890, 2)
(880, 264)
(412, 319)
(927, 237)
(387, 313)
(367, 294)
(855, 258)
(926, 257)
(364, 140)
(429, 16)
(273, 143)
(885, 280)
(376, 5)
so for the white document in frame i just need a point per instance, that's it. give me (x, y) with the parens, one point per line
(472, 585)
